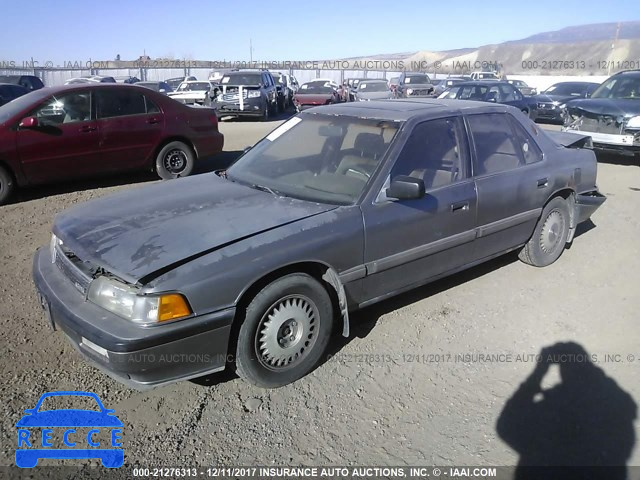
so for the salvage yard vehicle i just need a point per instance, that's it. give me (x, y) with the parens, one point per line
(412, 85)
(90, 79)
(490, 91)
(552, 101)
(611, 116)
(484, 76)
(162, 87)
(312, 94)
(523, 87)
(10, 91)
(446, 84)
(193, 92)
(61, 133)
(373, 90)
(30, 82)
(175, 82)
(247, 93)
(340, 207)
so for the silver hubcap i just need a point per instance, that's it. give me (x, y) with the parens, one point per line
(287, 332)
(551, 231)
(175, 161)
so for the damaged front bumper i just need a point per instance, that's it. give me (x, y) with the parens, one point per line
(138, 356)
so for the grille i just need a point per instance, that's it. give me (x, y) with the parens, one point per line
(233, 97)
(420, 93)
(67, 266)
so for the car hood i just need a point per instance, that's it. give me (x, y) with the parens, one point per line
(550, 98)
(606, 106)
(374, 95)
(137, 233)
(313, 98)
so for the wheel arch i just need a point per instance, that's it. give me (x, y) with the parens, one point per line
(11, 171)
(322, 272)
(166, 141)
(570, 196)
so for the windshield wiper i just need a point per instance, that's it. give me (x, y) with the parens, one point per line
(268, 190)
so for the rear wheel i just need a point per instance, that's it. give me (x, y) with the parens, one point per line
(176, 159)
(286, 330)
(7, 185)
(550, 235)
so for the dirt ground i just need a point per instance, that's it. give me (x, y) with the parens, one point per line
(422, 380)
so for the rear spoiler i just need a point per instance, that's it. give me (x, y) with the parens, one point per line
(570, 140)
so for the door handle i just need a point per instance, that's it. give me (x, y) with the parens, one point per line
(460, 206)
(543, 182)
(87, 129)
(153, 121)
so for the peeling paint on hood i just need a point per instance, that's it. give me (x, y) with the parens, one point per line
(136, 233)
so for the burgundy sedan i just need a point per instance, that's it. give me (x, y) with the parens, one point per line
(62, 133)
(312, 94)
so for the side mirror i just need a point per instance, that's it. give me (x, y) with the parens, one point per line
(404, 187)
(29, 122)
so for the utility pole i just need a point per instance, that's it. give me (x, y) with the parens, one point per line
(613, 46)
(251, 51)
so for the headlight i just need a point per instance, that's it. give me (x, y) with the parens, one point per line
(125, 301)
(55, 241)
(409, 91)
(633, 122)
(253, 93)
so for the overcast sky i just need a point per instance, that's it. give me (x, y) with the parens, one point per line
(74, 31)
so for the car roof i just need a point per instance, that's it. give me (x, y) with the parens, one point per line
(405, 109)
(630, 73)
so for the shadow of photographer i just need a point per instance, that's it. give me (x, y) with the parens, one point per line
(586, 420)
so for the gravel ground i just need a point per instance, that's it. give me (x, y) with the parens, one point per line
(396, 392)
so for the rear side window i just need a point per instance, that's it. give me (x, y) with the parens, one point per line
(119, 103)
(496, 150)
(531, 153)
(151, 106)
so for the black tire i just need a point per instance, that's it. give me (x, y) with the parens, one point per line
(7, 185)
(176, 159)
(286, 330)
(550, 235)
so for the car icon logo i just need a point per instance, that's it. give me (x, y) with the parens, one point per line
(63, 433)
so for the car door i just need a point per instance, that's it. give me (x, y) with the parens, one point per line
(410, 241)
(130, 125)
(511, 96)
(64, 145)
(511, 181)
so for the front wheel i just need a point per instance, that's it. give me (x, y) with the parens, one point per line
(286, 330)
(550, 235)
(176, 159)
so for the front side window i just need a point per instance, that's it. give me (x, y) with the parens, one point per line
(433, 152)
(67, 108)
(495, 148)
(317, 157)
(114, 103)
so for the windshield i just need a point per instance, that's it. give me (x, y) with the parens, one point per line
(316, 88)
(373, 87)
(315, 157)
(10, 109)
(190, 87)
(467, 92)
(242, 79)
(619, 87)
(152, 85)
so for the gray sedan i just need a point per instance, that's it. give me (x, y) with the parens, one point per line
(342, 206)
